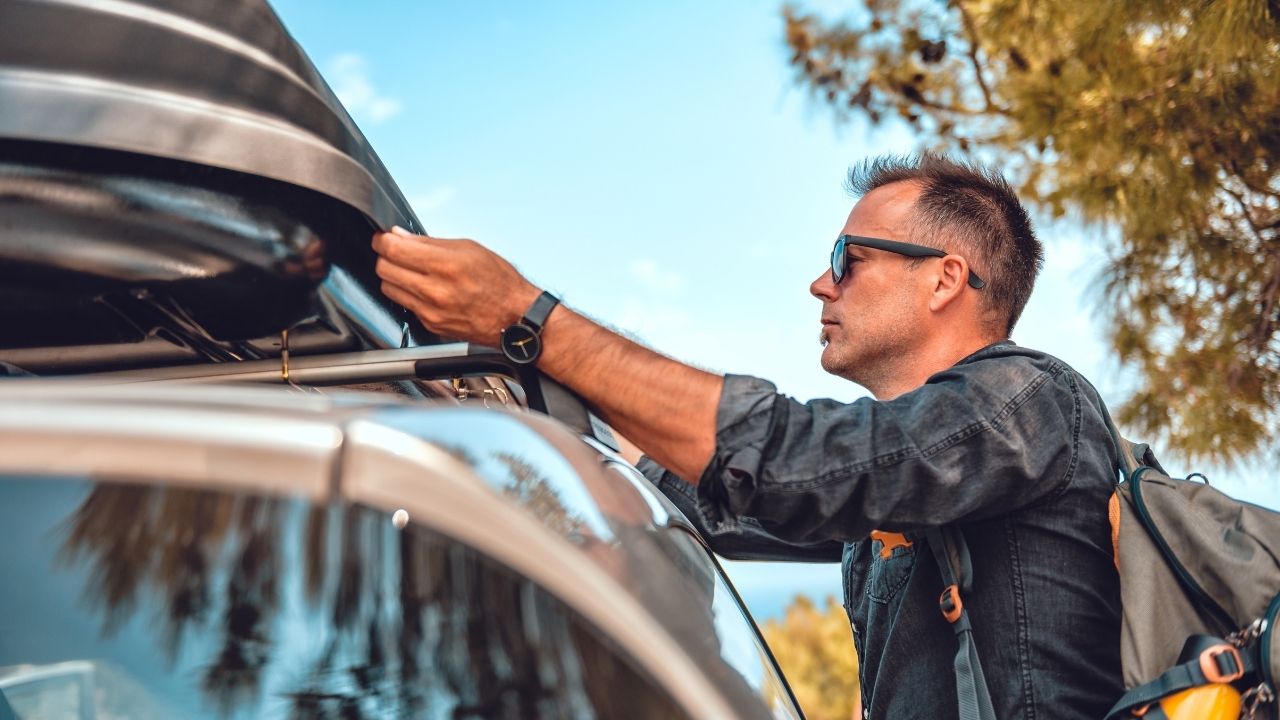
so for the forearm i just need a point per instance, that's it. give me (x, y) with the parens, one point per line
(665, 407)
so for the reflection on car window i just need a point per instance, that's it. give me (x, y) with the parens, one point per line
(514, 460)
(742, 647)
(146, 601)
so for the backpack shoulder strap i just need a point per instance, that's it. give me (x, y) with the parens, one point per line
(951, 553)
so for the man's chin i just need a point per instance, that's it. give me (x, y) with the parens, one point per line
(837, 363)
(829, 359)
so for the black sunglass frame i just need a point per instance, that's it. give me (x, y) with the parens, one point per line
(839, 257)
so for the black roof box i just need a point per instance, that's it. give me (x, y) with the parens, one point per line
(220, 84)
(178, 184)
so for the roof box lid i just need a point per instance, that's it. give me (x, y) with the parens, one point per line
(220, 84)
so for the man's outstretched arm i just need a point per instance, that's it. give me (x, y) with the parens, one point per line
(460, 289)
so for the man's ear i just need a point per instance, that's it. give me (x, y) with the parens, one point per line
(951, 279)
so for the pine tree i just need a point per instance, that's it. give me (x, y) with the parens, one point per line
(1156, 121)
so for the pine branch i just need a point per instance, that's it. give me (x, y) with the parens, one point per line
(1266, 327)
(971, 35)
(1245, 211)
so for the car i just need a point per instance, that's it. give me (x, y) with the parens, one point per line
(236, 481)
(201, 551)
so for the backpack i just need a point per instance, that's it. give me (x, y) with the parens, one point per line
(1200, 595)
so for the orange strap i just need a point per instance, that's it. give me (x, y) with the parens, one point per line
(1209, 664)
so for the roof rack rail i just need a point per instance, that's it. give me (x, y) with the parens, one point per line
(433, 362)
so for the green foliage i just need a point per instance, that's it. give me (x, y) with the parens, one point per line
(815, 649)
(1157, 119)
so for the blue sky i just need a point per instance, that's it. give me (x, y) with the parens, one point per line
(654, 165)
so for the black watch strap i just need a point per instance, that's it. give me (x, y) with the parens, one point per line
(538, 312)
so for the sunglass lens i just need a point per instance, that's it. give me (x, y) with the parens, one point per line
(837, 261)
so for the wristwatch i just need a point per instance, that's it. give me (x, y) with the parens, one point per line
(522, 342)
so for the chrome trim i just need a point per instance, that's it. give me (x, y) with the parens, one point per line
(661, 516)
(261, 451)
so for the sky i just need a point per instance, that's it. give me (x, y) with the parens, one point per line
(655, 165)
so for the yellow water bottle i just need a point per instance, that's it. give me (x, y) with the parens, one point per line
(1215, 701)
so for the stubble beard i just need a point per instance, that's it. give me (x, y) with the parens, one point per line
(871, 365)
(836, 358)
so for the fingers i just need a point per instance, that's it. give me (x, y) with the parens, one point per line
(436, 256)
(406, 263)
(407, 250)
(403, 277)
(411, 302)
(402, 296)
(396, 234)
(450, 284)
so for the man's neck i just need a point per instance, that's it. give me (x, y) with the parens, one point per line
(911, 372)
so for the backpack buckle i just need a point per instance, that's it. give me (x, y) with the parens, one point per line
(951, 604)
(1211, 663)
(1253, 698)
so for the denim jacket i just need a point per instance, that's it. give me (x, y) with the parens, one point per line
(1009, 445)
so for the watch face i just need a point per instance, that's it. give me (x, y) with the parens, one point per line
(521, 344)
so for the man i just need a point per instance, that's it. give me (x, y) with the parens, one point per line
(932, 269)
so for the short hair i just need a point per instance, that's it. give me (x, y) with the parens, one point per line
(970, 207)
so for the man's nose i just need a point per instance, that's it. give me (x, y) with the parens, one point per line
(823, 288)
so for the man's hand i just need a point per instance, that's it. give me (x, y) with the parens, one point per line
(457, 288)
(460, 289)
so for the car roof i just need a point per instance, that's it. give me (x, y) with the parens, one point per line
(456, 470)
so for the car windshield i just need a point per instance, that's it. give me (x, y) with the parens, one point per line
(134, 600)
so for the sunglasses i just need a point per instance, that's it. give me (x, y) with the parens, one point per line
(840, 258)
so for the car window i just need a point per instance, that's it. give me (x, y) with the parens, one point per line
(133, 600)
(742, 647)
(739, 642)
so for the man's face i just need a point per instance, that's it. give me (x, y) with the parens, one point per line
(875, 316)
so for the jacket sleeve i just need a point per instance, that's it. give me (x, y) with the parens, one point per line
(972, 443)
(747, 540)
